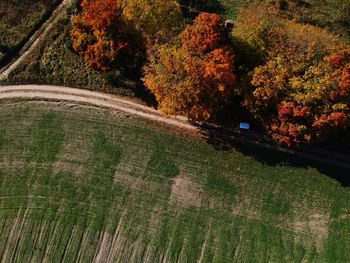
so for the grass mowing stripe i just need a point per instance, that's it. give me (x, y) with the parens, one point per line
(48, 140)
(25, 239)
(14, 238)
(88, 246)
(55, 249)
(4, 234)
(31, 245)
(339, 230)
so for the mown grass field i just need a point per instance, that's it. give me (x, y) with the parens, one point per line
(80, 184)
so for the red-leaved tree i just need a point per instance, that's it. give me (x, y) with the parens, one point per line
(96, 33)
(308, 104)
(205, 34)
(196, 76)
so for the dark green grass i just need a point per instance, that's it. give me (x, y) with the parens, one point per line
(73, 172)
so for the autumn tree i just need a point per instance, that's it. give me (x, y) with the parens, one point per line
(96, 33)
(291, 82)
(300, 98)
(261, 32)
(104, 28)
(205, 34)
(314, 105)
(196, 76)
(251, 35)
(156, 20)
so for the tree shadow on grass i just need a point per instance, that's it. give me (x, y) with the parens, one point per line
(263, 151)
(131, 79)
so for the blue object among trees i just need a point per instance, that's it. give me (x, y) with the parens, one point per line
(244, 126)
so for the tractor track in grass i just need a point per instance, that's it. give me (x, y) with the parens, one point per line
(81, 96)
(35, 39)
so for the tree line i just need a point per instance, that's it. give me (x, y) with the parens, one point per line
(293, 77)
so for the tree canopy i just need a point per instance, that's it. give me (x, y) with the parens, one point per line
(195, 76)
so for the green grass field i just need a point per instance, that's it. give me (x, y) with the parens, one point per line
(80, 184)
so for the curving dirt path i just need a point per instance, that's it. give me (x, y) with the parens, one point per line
(93, 98)
(35, 39)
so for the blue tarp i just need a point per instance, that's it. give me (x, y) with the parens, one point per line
(244, 126)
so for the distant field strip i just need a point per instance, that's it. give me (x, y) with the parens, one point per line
(86, 184)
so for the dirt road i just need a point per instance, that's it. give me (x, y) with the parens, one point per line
(93, 98)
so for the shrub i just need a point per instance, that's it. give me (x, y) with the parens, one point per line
(251, 36)
(19, 19)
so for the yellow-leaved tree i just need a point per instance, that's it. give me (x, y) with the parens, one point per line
(157, 20)
(299, 87)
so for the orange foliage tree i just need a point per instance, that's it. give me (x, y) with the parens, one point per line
(196, 76)
(101, 30)
(302, 101)
(96, 33)
(298, 87)
(205, 34)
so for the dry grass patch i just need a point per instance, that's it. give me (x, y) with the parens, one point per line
(186, 192)
(315, 227)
